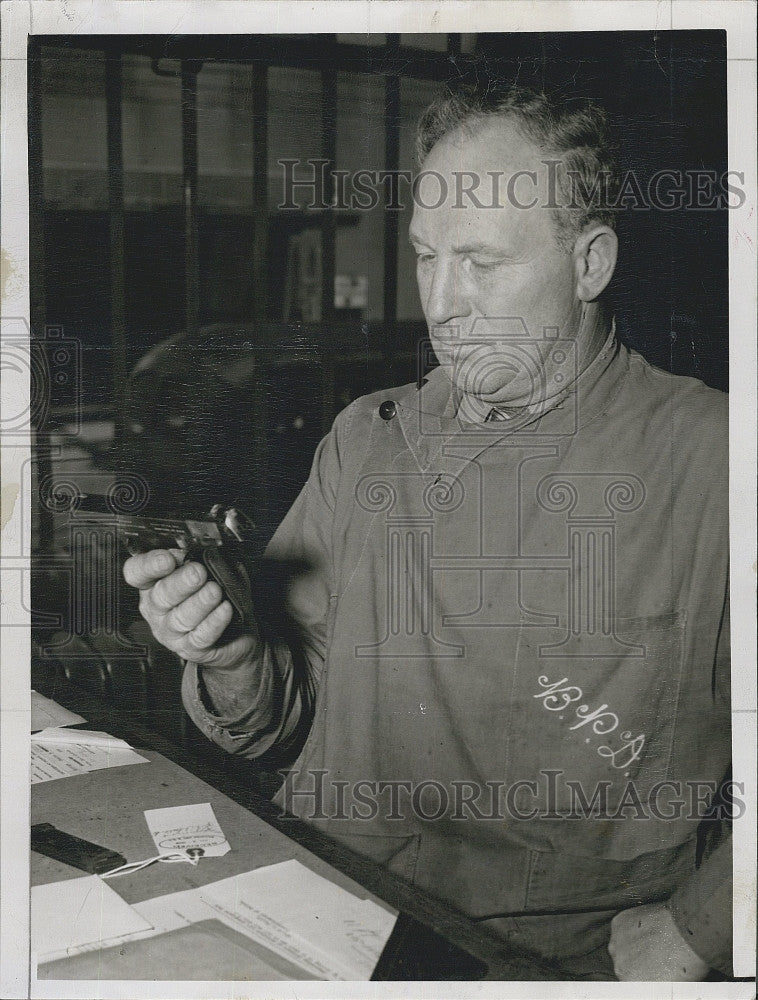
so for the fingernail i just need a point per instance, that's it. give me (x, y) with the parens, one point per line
(162, 560)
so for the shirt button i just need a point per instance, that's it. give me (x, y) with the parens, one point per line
(388, 409)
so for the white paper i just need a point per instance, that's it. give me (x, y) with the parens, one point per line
(175, 910)
(61, 753)
(348, 932)
(83, 736)
(182, 908)
(81, 914)
(46, 713)
(178, 828)
(322, 928)
(179, 909)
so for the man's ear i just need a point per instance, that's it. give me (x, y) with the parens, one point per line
(595, 253)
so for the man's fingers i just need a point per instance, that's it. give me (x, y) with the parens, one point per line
(210, 629)
(190, 613)
(185, 610)
(178, 586)
(143, 570)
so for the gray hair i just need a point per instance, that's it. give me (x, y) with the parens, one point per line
(575, 132)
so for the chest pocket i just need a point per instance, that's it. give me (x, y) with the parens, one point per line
(594, 711)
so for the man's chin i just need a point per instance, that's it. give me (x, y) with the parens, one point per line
(495, 391)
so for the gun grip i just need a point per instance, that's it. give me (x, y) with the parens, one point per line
(231, 575)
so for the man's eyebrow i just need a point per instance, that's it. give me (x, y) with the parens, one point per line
(479, 248)
(466, 247)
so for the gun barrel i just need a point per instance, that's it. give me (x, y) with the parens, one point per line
(140, 532)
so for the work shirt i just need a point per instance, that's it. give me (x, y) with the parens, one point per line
(505, 626)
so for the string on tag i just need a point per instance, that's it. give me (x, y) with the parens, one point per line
(192, 855)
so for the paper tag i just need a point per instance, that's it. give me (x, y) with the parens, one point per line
(181, 827)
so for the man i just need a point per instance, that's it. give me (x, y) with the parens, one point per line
(514, 639)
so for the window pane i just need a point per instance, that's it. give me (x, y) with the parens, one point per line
(225, 136)
(76, 243)
(294, 130)
(415, 95)
(360, 231)
(433, 43)
(294, 237)
(363, 39)
(152, 133)
(74, 144)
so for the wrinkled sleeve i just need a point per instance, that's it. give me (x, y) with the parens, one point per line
(702, 905)
(702, 909)
(291, 665)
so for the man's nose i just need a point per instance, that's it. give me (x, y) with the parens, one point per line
(447, 300)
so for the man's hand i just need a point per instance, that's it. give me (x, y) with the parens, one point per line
(185, 610)
(646, 946)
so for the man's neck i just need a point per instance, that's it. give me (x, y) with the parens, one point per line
(596, 326)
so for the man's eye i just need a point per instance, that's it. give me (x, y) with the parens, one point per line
(424, 258)
(484, 263)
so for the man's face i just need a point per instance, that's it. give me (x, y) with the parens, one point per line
(493, 280)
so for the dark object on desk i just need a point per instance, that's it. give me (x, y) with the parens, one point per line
(82, 854)
(415, 953)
